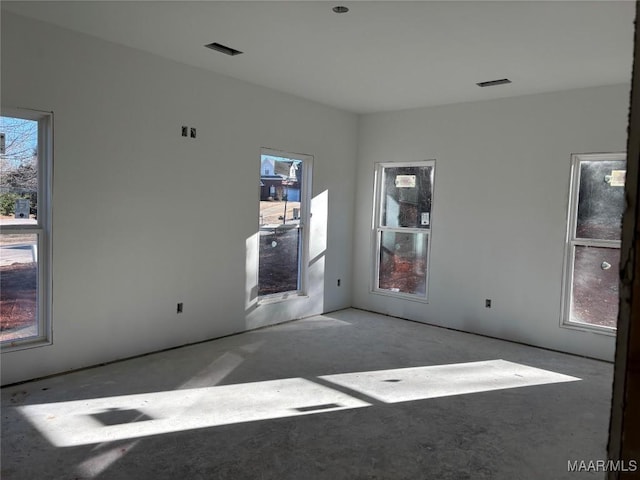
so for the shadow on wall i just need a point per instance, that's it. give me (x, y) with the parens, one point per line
(272, 259)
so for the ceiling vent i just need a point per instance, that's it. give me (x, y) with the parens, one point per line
(493, 83)
(224, 49)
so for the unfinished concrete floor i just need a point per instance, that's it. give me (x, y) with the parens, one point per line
(274, 404)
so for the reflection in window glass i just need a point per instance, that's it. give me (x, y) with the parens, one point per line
(407, 197)
(594, 297)
(600, 199)
(403, 262)
(18, 286)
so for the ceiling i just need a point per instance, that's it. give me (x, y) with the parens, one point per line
(381, 55)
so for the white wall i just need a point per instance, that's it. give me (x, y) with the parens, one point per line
(144, 218)
(500, 206)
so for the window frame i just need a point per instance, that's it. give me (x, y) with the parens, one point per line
(42, 229)
(572, 241)
(378, 229)
(303, 226)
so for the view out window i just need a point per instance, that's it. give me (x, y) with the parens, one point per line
(403, 227)
(284, 207)
(593, 241)
(24, 226)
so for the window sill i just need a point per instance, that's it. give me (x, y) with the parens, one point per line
(281, 297)
(585, 327)
(401, 296)
(18, 345)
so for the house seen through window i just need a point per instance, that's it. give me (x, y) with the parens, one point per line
(284, 184)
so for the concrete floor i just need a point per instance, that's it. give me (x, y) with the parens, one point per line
(276, 404)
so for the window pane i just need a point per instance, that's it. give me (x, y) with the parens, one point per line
(406, 198)
(18, 286)
(279, 251)
(601, 199)
(595, 286)
(19, 171)
(280, 233)
(403, 262)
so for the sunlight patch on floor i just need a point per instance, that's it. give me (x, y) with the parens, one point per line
(109, 419)
(81, 422)
(215, 372)
(94, 466)
(419, 383)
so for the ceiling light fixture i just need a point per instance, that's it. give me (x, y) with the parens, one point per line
(223, 49)
(493, 83)
(340, 9)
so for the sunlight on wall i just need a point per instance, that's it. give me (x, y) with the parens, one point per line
(251, 269)
(319, 222)
(109, 419)
(318, 249)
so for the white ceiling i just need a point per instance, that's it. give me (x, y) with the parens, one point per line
(380, 56)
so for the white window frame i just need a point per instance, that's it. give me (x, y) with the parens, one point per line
(305, 218)
(572, 241)
(42, 229)
(378, 228)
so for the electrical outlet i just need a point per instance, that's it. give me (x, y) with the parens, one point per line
(180, 308)
(338, 282)
(193, 132)
(185, 131)
(487, 303)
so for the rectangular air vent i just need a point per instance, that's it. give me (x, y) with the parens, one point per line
(224, 49)
(493, 83)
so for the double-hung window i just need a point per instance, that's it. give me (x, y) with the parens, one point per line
(25, 179)
(591, 278)
(402, 228)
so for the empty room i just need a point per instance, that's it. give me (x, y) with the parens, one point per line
(316, 240)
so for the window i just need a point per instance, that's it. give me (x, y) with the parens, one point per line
(25, 157)
(285, 192)
(403, 228)
(590, 295)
